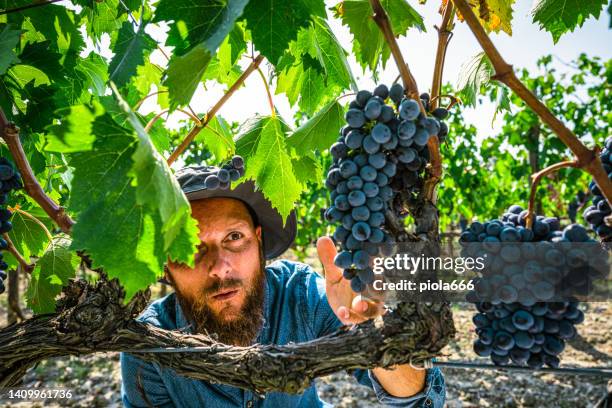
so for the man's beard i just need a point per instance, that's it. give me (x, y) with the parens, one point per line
(243, 329)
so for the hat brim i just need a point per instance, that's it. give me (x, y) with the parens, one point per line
(277, 237)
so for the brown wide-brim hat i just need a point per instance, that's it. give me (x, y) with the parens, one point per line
(277, 236)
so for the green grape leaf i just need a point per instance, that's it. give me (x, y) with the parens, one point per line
(103, 17)
(275, 24)
(307, 169)
(74, 133)
(369, 45)
(52, 272)
(268, 162)
(95, 73)
(27, 234)
(112, 227)
(472, 75)
(224, 66)
(9, 39)
(196, 32)
(560, 16)
(320, 131)
(218, 138)
(158, 189)
(131, 50)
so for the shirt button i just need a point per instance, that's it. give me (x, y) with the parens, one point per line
(428, 401)
(250, 404)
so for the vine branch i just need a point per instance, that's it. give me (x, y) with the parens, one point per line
(586, 158)
(140, 102)
(535, 181)
(94, 318)
(27, 267)
(433, 145)
(444, 36)
(10, 134)
(155, 118)
(213, 111)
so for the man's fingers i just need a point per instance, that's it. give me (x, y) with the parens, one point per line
(366, 307)
(327, 252)
(348, 316)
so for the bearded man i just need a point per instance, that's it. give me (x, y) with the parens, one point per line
(232, 294)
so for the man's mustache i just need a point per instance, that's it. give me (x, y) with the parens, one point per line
(218, 285)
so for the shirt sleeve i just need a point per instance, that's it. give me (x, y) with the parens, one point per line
(324, 321)
(141, 384)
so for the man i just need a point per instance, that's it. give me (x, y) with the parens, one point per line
(232, 294)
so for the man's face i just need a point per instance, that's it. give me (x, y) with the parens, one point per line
(223, 293)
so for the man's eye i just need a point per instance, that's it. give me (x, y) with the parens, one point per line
(234, 236)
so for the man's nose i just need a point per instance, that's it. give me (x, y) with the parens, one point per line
(216, 264)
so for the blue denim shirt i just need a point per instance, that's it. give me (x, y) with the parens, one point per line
(295, 310)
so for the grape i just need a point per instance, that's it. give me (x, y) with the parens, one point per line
(386, 114)
(342, 201)
(361, 231)
(2, 287)
(234, 174)
(366, 275)
(6, 172)
(406, 130)
(347, 221)
(381, 91)
(377, 235)
(342, 188)
(432, 126)
(421, 137)
(375, 203)
(361, 259)
(363, 97)
(522, 320)
(409, 109)
(381, 133)
(523, 340)
(407, 155)
(377, 160)
(354, 139)
(237, 162)
(360, 213)
(212, 182)
(390, 169)
(357, 285)
(370, 189)
(481, 349)
(341, 233)
(372, 109)
(361, 160)
(339, 150)
(392, 143)
(381, 179)
(332, 214)
(440, 113)
(348, 168)
(354, 183)
(3, 275)
(370, 145)
(396, 93)
(355, 118)
(368, 173)
(343, 260)
(376, 219)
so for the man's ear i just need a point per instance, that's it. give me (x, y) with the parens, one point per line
(258, 233)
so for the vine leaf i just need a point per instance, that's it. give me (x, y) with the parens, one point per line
(74, 133)
(112, 227)
(560, 16)
(196, 31)
(218, 138)
(158, 189)
(9, 39)
(315, 69)
(472, 75)
(369, 45)
(274, 24)
(27, 235)
(53, 270)
(268, 162)
(320, 131)
(131, 49)
(224, 66)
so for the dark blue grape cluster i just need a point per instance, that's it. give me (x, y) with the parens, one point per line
(229, 172)
(572, 207)
(10, 180)
(382, 151)
(524, 270)
(596, 213)
(526, 335)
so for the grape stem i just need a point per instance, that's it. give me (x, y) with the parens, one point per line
(213, 111)
(535, 181)
(588, 159)
(160, 114)
(140, 102)
(10, 134)
(28, 267)
(444, 36)
(265, 82)
(381, 19)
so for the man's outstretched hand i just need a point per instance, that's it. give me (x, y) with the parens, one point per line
(349, 307)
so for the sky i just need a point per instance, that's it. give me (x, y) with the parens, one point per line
(522, 50)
